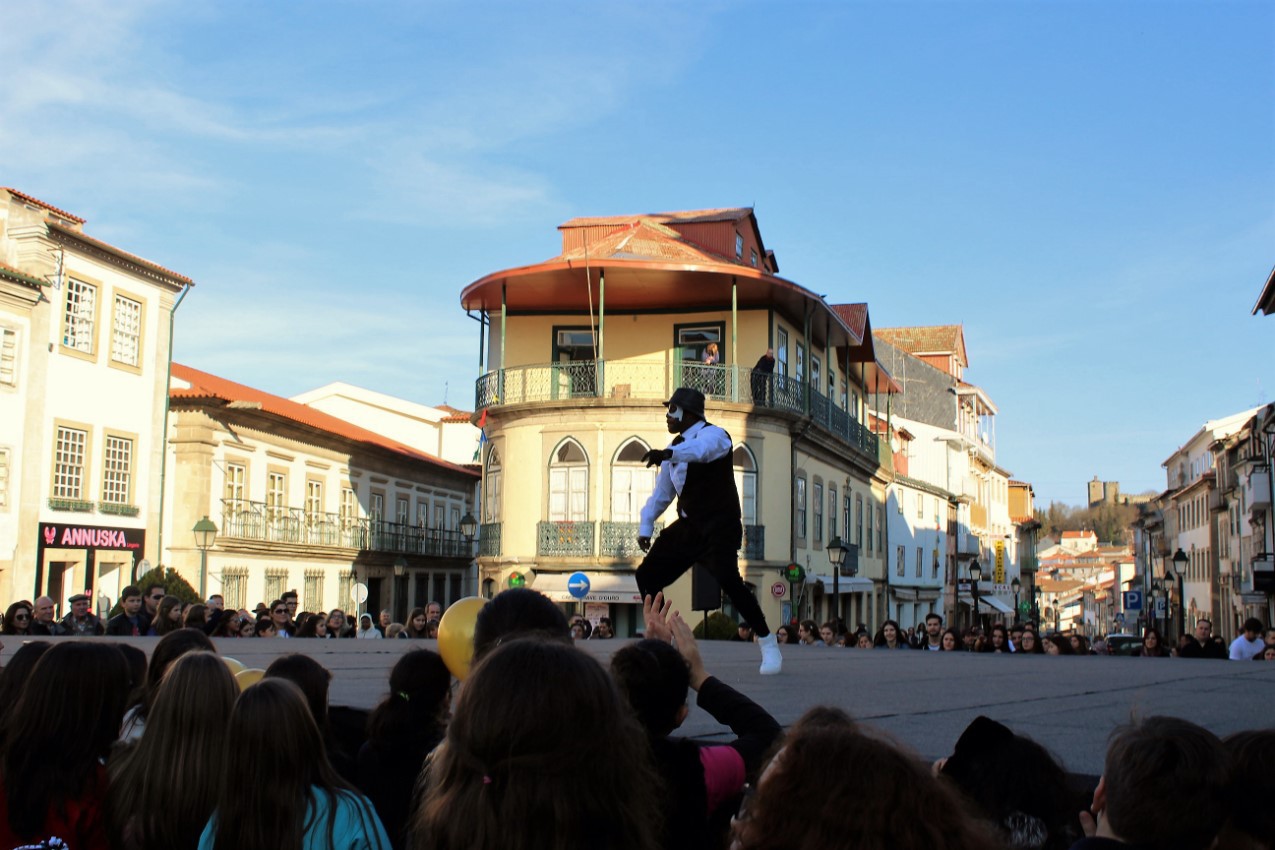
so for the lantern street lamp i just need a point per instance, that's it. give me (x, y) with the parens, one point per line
(468, 525)
(1157, 593)
(1016, 585)
(837, 552)
(976, 573)
(205, 535)
(1180, 560)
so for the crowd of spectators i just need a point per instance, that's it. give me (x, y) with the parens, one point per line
(1254, 643)
(102, 748)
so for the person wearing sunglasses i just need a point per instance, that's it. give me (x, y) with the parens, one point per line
(17, 619)
(281, 618)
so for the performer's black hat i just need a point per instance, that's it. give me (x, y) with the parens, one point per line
(692, 401)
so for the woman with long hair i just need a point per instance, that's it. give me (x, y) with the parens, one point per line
(1152, 645)
(1030, 643)
(1058, 645)
(309, 626)
(168, 618)
(17, 619)
(889, 637)
(951, 641)
(52, 782)
(278, 789)
(196, 616)
(506, 778)
(402, 731)
(169, 648)
(15, 674)
(163, 786)
(808, 633)
(415, 627)
(902, 807)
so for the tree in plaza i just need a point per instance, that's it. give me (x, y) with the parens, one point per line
(720, 627)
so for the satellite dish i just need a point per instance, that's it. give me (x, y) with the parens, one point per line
(360, 592)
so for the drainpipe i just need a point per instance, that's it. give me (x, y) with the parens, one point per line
(163, 456)
(792, 503)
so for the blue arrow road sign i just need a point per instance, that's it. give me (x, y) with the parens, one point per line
(1133, 600)
(578, 585)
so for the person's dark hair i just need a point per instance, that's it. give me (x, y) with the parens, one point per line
(1252, 624)
(655, 679)
(1038, 648)
(290, 594)
(957, 644)
(1249, 797)
(164, 785)
(903, 805)
(1016, 785)
(196, 616)
(1082, 645)
(1000, 629)
(129, 592)
(311, 677)
(162, 624)
(309, 626)
(880, 639)
(1063, 643)
(54, 744)
(506, 765)
(790, 632)
(279, 746)
(7, 628)
(516, 612)
(934, 616)
(170, 647)
(412, 714)
(136, 659)
(15, 675)
(1151, 762)
(153, 586)
(264, 624)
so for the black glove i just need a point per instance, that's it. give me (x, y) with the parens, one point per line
(657, 456)
(644, 543)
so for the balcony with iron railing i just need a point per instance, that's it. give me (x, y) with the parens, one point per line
(246, 520)
(656, 380)
(615, 540)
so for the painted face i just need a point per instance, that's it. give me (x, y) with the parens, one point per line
(949, 642)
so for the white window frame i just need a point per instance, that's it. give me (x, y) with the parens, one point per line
(8, 356)
(126, 331)
(117, 472)
(632, 482)
(79, 316)
(70, 448)
(569, 484)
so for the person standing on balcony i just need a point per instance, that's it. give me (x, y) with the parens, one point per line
(761, 377)
(708, 530)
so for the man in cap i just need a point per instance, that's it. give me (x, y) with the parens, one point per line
(80, 622)
(696, 470)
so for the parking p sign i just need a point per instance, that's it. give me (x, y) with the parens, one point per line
(1133, 600)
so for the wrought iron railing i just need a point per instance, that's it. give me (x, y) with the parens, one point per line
(573, 539)
(656, 380)
(619, 539)
(245, 520)
(489, 539)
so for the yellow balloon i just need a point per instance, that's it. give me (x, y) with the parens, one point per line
(248, 677)
(456, 634)
(236, 666)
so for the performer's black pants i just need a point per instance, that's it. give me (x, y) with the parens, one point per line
(685, 543)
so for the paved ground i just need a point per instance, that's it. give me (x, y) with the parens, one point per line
(923, 699)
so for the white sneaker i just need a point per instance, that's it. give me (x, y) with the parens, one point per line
(771, 661)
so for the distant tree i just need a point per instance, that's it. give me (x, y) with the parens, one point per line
(720, 627)
(174, 585)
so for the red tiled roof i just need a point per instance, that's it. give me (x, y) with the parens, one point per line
(39, 203)
(931, 339)
(204, 385)
(1078, 534)
(454, 411)
(106, 246)
(463, 417)
(1019, 520)
(682, 216)
(854, 315)
(21, 276)
(645, 239)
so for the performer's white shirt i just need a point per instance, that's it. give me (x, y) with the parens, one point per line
(701, 443)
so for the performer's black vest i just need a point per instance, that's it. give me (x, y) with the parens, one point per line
(709, 494)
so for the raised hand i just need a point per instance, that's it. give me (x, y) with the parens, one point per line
(655, 611)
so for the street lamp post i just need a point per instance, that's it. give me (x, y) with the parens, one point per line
(1180, 559)
(976, 573)
(1157, 593)
(1057, 617)
(1016, 585)
(400, 570)
(837, 552)
(205, 535)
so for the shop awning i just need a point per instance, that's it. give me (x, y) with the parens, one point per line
(988, 602)
(604, 586)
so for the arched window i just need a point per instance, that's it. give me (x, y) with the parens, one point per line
(568, 483)
(492, 487)
(631, 481)
(746, 482)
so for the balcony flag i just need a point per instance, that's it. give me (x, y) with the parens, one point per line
(482, 435)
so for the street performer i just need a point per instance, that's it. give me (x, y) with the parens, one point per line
(696, 469)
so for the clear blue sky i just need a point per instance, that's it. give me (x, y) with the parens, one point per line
(1089, 187)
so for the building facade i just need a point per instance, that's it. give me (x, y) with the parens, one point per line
(303, 500)
(86, 330)
(579, 352)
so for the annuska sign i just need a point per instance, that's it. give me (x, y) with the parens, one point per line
(90, 537)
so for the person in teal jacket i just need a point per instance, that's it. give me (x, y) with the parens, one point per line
(279, 788)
